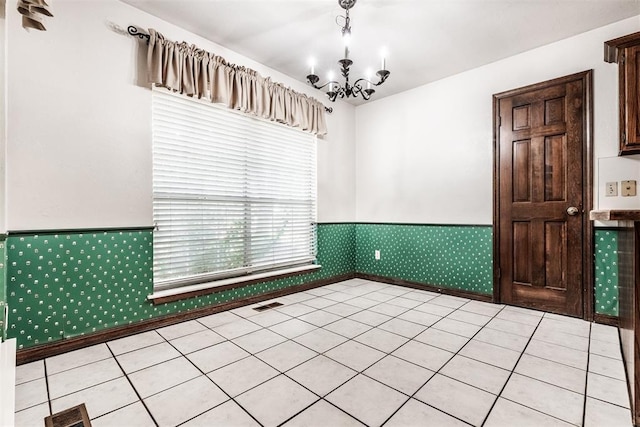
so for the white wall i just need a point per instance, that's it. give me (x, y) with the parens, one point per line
(425, 155)
(3, 86)
(79, 122)
(617, 169)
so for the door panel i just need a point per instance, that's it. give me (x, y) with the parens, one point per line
(540, 145)
(522, 253)
(554, 111)
(555, 168)
(555, 254)
(521, 171)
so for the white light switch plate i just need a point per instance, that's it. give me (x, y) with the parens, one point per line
(611, 189)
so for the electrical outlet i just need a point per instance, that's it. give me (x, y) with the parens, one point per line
(377, 254)
(628, 188)
(611, 189)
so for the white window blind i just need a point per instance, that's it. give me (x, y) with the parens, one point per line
(232, 194)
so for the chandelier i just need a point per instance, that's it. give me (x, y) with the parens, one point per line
(361, 87)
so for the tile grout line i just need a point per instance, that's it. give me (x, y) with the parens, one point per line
(213, 382)
(586, 380)
(512, 370)
(46, 379)
(609, 403)
(410, 339)
(165, 340)
(321, 398)
(554, 361)
(134, 389)
(91, 386)
(412, 396)
(536, 379)
(78, 366)
(32, 381)
(357, 372)
(183, 355)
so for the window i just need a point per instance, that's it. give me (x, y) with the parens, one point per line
(232, 195)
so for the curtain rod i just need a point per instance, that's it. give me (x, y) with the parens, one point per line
(137, 33)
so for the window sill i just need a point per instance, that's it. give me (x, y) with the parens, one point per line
(184, 292)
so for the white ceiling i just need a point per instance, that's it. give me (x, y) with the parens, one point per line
(426, 40)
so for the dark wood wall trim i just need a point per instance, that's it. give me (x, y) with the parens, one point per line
(611, 46)
(426, 287)
(78, 230)
(424, 224)
(606, 319)
(588, 261)
(47, 350)
(495, 108)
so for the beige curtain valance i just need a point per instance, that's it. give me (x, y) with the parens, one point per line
(32, 12)
(195, 72)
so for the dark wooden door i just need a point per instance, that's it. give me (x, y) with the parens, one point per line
(540, 195)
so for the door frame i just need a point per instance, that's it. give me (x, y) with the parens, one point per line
(587, 184)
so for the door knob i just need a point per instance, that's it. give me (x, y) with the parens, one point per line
(572, 210)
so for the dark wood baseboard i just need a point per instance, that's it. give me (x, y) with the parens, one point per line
(606, 319)
(426, 287)
(58, 347)
(69, 344)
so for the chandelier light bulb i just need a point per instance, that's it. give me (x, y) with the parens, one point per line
(383, 58)
(330, 78)
(346, 38)
(312, 65)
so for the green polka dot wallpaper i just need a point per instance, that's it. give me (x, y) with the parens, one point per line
(3, 290)
(606, 271)
(61, 285)
(457, 257)
(64, 285)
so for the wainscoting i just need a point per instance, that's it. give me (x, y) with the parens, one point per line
(62, 285)
(68, 284)
(606, 271)
(446, 256)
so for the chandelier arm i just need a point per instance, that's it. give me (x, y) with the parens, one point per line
(382, 80)
(326, 84)
(362, 79)
(383, 75)
(357, 90)
(364, 93)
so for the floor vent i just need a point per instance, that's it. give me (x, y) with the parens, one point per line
(72, 417)
(267, 306)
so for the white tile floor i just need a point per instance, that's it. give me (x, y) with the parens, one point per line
(347, 354)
